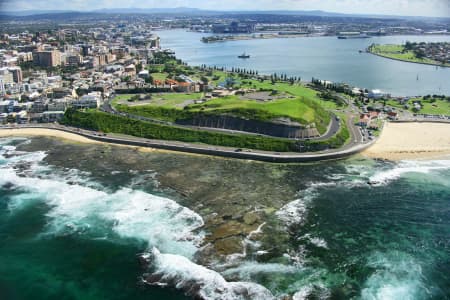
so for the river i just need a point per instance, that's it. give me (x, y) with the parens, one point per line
(326, 58)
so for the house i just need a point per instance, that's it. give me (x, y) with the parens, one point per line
(392, 115)
(184, 87)
(144, 74)
(373, 115)
(364, 120)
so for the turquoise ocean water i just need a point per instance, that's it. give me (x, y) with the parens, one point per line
(64, 235)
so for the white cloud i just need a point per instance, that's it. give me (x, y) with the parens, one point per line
(395, 7)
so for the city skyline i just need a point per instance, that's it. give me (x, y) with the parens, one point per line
(429, 8)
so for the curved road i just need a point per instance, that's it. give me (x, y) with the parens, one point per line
(346, 151)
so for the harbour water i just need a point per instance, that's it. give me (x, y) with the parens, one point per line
(77, 222)
(327, 58)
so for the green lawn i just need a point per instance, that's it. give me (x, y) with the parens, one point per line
(173, 100)
(295, 90)
(439, 107)
(429, 106)
(159, 76)
(293, 108)
(166, 100)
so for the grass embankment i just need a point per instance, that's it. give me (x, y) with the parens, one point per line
(398, 52)
(99, 121)
(304, 105)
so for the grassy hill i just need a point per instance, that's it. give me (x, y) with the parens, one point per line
(295, 102)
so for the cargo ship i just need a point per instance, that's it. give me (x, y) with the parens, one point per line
(353, 36)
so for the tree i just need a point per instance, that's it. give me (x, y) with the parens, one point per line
(138, 67)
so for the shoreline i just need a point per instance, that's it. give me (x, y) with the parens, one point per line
(64, 135)
(411, 140)
(398, 141)
(409, 61)
(195, 149)
(235, 38)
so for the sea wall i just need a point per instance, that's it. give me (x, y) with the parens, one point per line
(259, 127)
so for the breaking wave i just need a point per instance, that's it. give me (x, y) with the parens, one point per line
(396, 276)
(409, 166)
(171, 231)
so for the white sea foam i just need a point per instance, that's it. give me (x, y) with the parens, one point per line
(312, 291)
(404, 167)
(303, 293)
(74, 207)
(295, 212)
(396, 276)
(198, 281)
(131, 214)
(319, 242)
(77, 208)
(247, 270)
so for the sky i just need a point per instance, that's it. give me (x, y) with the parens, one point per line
(433, 8)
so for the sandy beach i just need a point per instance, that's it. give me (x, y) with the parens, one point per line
(32, 132)
(400, 141)
(36, 132)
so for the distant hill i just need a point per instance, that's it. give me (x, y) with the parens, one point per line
(177, 10)
(23, 13)
(32, 14)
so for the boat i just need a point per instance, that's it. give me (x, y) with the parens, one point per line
(351, 36)
(244, 55)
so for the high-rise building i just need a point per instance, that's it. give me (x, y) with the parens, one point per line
(16, 73)
(47, 58)
(85, 49)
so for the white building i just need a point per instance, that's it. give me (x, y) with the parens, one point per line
(91, 100)
(376, 94)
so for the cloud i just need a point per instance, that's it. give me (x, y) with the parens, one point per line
(395, 7)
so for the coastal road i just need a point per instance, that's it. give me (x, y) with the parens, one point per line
(204, 149)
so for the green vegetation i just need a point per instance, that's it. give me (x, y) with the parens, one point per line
(433, 105)
(159, 76)
(302, 110)
(301, 104)
(399, 52)
(99, 121)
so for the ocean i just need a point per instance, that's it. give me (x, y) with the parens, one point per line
(105, 222)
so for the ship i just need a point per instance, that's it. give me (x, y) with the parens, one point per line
(244, 55)
(351, 36)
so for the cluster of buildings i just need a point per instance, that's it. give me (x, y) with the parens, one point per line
(44, 73)
(436, 51)
(369, 120)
